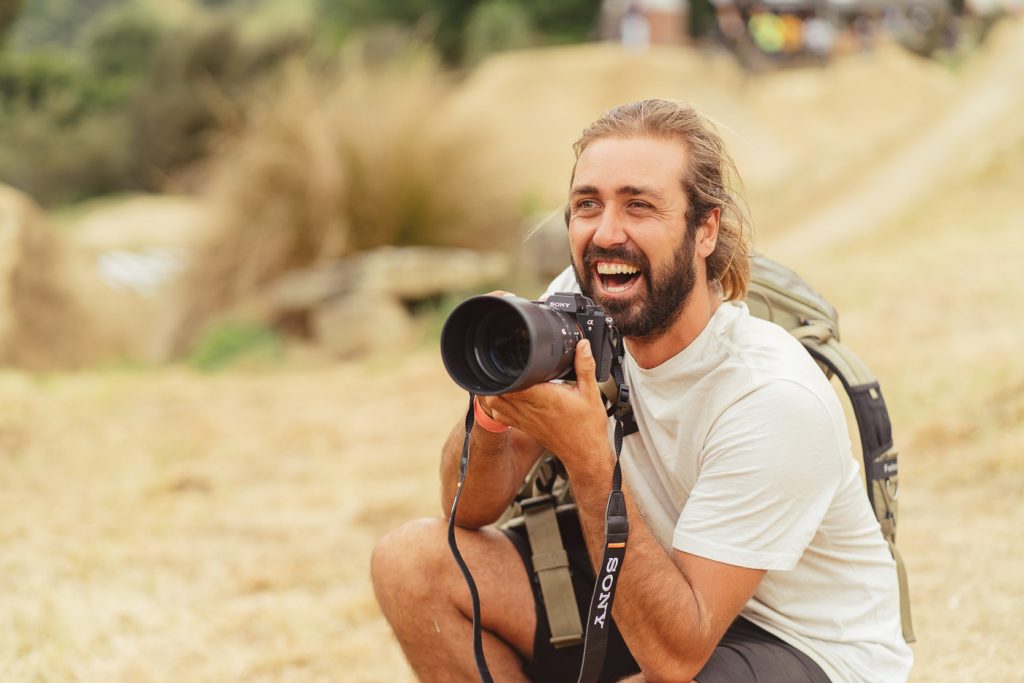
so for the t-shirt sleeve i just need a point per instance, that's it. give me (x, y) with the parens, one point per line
(563, 282)
(769, 469)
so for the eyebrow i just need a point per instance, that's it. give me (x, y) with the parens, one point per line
(628, 190)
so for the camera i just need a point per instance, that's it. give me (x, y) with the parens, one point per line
(496, 344)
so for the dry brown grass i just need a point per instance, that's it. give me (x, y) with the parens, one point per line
(41, 326)
(166, 526)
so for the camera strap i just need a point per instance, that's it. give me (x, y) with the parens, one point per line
(474, 595)
(616, 530)
(616, 533)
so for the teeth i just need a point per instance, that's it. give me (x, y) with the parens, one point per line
(605, 268)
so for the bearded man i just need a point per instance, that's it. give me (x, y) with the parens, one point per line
(753, 554)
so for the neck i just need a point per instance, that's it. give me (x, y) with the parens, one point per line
(650, 352)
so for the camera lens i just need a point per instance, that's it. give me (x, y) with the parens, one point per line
(495, 344)
(502, 345)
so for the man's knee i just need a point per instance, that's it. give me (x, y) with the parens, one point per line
(403, 557)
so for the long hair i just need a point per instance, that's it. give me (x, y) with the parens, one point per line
(710, 181)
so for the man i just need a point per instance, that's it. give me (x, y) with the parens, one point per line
(752, 554)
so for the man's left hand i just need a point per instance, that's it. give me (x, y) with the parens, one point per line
(569, 420)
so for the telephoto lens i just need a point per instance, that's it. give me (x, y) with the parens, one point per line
(495, 344)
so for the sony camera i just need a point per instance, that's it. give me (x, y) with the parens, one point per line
(496, 344)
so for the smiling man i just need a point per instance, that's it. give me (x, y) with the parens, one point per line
(753, 554)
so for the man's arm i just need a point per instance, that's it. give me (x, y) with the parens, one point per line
(671, 609)
(497, 465)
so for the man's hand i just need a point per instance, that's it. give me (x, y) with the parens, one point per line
(568, 420)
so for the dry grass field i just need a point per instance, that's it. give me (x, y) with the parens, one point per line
(165, 525)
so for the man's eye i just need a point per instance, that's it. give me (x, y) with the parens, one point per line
(637, 204)
(584, 204)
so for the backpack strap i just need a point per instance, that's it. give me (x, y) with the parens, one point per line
(551, 564)
(881, 470)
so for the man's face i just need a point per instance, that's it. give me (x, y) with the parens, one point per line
(627, 231)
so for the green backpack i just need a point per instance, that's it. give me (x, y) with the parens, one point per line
(777, 294)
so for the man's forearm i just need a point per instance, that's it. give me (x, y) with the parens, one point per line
(655, 608)
(492, 480)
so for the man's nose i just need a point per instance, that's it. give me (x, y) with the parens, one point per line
(609, 231)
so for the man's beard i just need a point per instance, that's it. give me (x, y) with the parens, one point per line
(666, 293)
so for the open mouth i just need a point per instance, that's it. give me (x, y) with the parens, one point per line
(616, 277)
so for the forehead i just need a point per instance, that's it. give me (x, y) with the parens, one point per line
(614, 162)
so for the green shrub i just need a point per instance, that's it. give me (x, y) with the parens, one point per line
(59, 141)
(57, 22)
(121, 43)
(9, 10)
(32, 80)
(200, 78)
(132, 105)
(440, 20)
(232, 342)
(496, 25)
(566, 21)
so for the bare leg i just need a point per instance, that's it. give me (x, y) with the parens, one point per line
(425, 598)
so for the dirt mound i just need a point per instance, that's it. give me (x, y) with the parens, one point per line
(802, 137)
(530, 106)
(959, 135)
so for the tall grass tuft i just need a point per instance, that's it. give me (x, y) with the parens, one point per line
(334, 162)
(41, 327)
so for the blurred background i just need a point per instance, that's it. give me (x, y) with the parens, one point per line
(230, 231)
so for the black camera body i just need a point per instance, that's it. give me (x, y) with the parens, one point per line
(496, 344)
(594, 325)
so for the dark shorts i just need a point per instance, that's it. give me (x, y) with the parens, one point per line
(746, 654)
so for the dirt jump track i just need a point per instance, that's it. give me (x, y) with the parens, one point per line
(165, 525)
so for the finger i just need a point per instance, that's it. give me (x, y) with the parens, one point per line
(487, 404)
(586, 379)
(502, 410)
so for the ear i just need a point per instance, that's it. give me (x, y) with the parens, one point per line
(707, 233)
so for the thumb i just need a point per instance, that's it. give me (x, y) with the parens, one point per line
(585, 366)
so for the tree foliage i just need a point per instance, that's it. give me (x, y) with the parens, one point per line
(56, 22)
(129, 103)
(9, 10)
(101, 96)
(496, 25)
(450, 21)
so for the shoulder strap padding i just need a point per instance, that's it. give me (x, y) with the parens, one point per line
(901, 573)
(881, 471)
(551, 564)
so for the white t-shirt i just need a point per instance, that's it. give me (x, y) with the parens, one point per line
(743, 457)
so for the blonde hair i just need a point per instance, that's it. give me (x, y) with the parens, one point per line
(711, 180)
